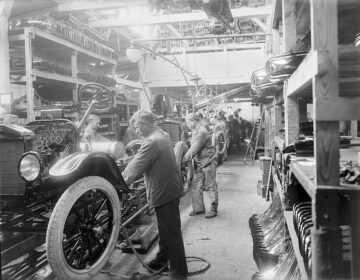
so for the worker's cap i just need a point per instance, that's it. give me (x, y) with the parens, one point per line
(193, 117)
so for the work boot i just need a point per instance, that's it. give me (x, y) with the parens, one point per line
(211, 214)
(193, 213)
(157, 265)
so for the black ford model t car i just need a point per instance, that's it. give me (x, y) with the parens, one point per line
(52, 191)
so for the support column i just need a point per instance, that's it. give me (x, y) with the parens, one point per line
(291, 104)
(354, 128)
(5, 10)
(278, 119)
(74, 75)
(327, 257)
(145, 94)
(28, 73)
(291, 119)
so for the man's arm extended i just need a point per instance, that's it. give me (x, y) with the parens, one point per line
(146, 155)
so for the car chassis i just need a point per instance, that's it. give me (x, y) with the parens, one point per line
(76, 199)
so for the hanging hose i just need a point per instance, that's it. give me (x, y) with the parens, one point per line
(139, 276)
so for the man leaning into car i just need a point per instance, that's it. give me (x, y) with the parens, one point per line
(156, 160)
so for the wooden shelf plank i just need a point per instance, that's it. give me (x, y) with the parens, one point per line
(53, 76)
(54, 38)
(295, 243)
(316, 63)
(312, 65)
(305, 173)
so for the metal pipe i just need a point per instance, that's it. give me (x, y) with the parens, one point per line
(199, 37)
(135, 215)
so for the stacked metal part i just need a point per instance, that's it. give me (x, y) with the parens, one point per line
(303, 224)
(286, 269)
(269, 81)
(268, 233)
(273, 253)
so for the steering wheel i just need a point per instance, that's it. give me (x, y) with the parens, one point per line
(101, 96)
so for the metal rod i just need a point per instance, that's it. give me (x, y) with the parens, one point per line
(135, 215)
(199, 37)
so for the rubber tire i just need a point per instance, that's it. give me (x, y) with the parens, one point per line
(54, 234)
(180, 150)
(217, 136)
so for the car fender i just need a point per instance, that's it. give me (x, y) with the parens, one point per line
(83, 164)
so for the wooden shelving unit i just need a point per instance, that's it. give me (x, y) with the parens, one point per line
(73, 56)
(329, 76)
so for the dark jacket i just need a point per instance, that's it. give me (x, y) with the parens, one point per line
(156, 160)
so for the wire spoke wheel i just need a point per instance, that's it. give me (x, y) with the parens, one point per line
(85, 243)
(186, 170)
(220, 142)
(83, 229)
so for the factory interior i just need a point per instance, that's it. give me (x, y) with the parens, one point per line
(180, 139)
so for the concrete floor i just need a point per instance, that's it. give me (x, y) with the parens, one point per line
(225, 241)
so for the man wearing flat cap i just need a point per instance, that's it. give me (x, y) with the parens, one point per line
(203, 153)
(156, 160)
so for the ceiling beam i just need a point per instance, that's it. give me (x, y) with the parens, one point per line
(78, 6)
(184, 17)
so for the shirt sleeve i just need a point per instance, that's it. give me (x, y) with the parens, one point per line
(196, 144)
(147, 154)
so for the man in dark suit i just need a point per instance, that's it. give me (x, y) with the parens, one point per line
(156, 160)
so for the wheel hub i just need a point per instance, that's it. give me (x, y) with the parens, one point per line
(98, 230)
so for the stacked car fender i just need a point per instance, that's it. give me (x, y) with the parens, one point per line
(268, 231)
(272, 251)
(303, 223)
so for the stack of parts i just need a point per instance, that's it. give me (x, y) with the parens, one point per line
(303, 224)
(286, 269)
(268, 232)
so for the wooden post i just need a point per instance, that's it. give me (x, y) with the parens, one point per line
(291, 104)
(326, 256)
(278, 119)
(291, 119)
(74, 69)
(28, 73)
(354, 128)
(5, 10)
(302, 110)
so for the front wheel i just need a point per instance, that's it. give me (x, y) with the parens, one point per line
(186, 170)
(83, 229)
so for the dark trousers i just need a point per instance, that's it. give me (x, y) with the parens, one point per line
(171, 245)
